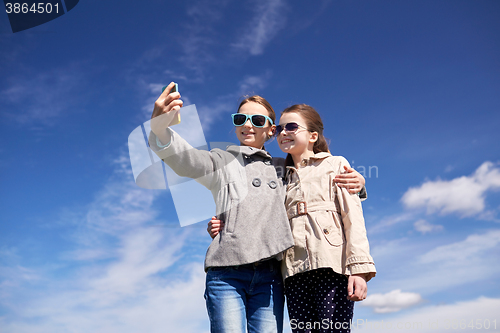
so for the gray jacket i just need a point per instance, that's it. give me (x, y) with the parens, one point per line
(247, 186)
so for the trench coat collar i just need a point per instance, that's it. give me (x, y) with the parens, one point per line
(317, 156)
(320, 156)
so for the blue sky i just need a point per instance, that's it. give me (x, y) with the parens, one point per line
(407, 89)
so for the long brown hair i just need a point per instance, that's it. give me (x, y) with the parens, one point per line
(313, 123)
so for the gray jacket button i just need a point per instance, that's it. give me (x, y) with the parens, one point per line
(272, 184)
(256, 182)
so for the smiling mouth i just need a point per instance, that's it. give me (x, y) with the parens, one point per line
(286, 141)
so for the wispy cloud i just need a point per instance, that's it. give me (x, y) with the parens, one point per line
(142, 253)
(252, 83)
(470, 249)
(176, 303)
(268, 20)
(119, 275)
(464, 196)
(393, 301)
(438, 268)
(200, 36)
(176, 76)
(202, 40)
(225, 104)
(39, 100)
(425, 227)
(390, 221)
(202, 44)
(467, 316)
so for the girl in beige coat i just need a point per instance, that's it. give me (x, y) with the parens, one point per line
(327, 269)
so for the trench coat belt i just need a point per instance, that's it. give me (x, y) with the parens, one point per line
(303, 208)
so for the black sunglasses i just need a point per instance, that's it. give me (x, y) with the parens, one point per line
(257, 120)
(289, 127)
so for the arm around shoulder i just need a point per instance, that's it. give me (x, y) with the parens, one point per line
(358, 258)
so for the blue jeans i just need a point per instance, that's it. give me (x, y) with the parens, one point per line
(248, 296)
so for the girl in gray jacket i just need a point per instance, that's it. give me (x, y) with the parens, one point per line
(244, 287)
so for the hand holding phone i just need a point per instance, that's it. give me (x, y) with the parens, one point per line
(177, 118)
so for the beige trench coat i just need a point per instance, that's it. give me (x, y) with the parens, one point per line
(327, 221)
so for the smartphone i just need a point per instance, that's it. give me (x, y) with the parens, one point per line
(174, 89)
(177, 118)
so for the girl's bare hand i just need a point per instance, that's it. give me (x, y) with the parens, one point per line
(356, 287)
(352, 180)
(165, 110)
(214, 227)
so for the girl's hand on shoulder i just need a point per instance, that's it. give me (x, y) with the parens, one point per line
(214, 227)
(167, 104)
(352, 180)
(356, 287)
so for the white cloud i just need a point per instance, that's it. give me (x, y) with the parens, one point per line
(465, 316)
(269, 19)
(390, 221)
(464, 195)
(122, 274)
(175, 304)
(119, 207)
(425, 227)
(438, 269)
(203, 40)
(390, 249)
(143, 253)
(470, 250)
(393, 301)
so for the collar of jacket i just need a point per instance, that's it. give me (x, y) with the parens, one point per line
(248, 151)
(318, 156)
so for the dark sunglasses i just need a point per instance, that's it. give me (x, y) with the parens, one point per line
(257, 120)
(289, 127)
